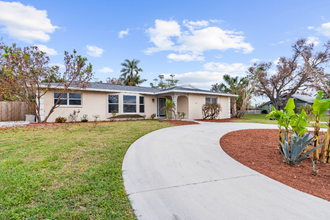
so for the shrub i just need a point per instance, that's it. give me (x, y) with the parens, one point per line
(60, 120)
(84, 118)
(153, 116)
(144, 117)
(181, 115)
(114, 113)
(211, 111)
(73, 116)
(264, 111)
(96, 120)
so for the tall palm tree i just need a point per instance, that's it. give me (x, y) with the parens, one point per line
(130, 73)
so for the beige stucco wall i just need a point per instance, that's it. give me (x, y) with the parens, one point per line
(196, 101)
(183, 105)
(96, 103)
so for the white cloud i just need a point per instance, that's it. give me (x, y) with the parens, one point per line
(239, 68)
(94, 51)
(57, 64)
(161, 35)
(254, 60)
(105, 70)
(185, 57)
(219, 56)
(325, 29)
(47, 50)
(276, 61)
(25, 23)
(192, 25)
(313, 40)
(122, 33)
(310, 27)
(197, 38)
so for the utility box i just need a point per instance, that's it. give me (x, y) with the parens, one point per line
(30, 118)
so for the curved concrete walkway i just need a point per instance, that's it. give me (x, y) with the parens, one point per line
(182, 173)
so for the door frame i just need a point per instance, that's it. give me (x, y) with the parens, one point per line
(158, 108)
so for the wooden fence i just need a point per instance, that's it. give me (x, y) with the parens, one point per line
(14, 111)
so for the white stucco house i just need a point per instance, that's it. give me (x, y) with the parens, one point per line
(101, 99)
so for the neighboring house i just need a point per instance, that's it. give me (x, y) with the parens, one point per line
(101, 99)
(298, 101)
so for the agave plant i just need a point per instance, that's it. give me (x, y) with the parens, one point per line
(298, 144)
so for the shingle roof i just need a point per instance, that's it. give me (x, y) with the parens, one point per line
(110, 87)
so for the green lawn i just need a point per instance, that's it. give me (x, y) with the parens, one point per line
(261, 118)
(67, 172)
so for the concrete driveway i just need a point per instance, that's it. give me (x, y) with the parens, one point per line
(182, 173)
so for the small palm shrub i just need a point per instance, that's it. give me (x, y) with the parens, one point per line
(60, 119)
(153, 116)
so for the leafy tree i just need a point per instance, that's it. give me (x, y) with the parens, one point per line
(130, 73)
(169, 108)
(163, 85)
(25, 69)
(232, 85)
(290, 77)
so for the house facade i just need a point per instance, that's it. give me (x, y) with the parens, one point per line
(100, 99)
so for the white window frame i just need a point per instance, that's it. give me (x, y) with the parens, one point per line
(129, 104)
(68, 100)
(144, 104)
(109, 112)
(212, 99)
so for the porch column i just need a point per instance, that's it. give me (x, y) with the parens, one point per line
(175, 100)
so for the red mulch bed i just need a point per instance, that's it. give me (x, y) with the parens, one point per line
(224, 120)
(179, 122)
(258, 149)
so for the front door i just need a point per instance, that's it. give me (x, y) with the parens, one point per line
(161, 104)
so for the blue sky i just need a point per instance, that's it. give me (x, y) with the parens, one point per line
(198, 41)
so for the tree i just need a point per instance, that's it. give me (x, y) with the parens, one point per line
(130, 73)
(290, 77)
(232, 87)
(170, 82)
(25, 69)
(169, 108)
(114, 81)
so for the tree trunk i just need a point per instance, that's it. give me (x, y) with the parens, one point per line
(233, 107)
(325, 148)
(317, 138)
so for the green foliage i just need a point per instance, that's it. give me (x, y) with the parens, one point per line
(130, 73)
(60, 119)
(181, 115)
(153, 116)
(320, 106)
(161, 84)
(114, 113)
(298, 144)
(299, 123)
(169, 108)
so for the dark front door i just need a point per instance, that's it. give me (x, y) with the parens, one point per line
(161, 104)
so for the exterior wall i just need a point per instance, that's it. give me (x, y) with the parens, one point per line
(96, 103)
(196, 101)
(183, 105)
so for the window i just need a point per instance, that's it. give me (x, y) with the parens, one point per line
(211, 100)
(68, 99)
(113, 102)
(141, 104)
(129, 104)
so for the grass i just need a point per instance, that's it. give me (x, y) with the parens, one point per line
(68, 171)
(261, 118)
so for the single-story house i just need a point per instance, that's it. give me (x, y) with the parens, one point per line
(298, 101)
(101, 98)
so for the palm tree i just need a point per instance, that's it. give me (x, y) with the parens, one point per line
(232, 86)
(130, 73)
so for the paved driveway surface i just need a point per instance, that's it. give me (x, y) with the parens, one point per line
(182, 173)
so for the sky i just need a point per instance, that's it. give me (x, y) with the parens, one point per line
(197, 41)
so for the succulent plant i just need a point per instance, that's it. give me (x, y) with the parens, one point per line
(298, 144)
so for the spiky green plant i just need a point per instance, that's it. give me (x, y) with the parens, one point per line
(298, 144)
